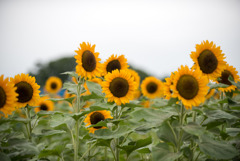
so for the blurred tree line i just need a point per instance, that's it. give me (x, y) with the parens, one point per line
(56, 67)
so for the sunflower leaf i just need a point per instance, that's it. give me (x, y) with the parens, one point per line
(70, 99)
(71, 73)
(217, 85)
(94, 87)
(93, 95)
(71, 87)
(230, 78)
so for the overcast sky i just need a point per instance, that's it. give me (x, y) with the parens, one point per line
(155, 36)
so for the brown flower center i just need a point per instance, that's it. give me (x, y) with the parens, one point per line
(44, 107)
(2, 97)
(113, 65)
(25, 92)
(119, 87)
(152, 87)
(88, 61)
(95, 118)
(224, 77)
(187, 86)
(207, 61)
(53, 85)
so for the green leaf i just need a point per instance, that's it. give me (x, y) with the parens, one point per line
(217, 149)
(100, 123)
(92, 96)
(162, 152)
(233, 131)
(76, 116)
(71, 87)
(4, 157)
(218, 85)
(172, 101)
(144, 151)
(71, 73)
(57, 120)
(165, 133)
(106, 106)
(102, 142)
(230, 78)
(131, 105)
(134, 145)
(94, 87)
(53, 132)
(70, 99)
(194, 129)
(46, 113)
(219, 114)
(56, 151)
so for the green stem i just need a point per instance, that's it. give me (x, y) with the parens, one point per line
(181, 121)
(105, 153)
(174, 134)
(197, 156)
(113, 153)
(194, 116)
(29, 128)
(86, 152)
(117, 139)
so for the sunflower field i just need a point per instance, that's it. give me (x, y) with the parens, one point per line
(108, 114)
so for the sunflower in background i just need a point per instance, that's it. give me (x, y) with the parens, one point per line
(228, 71)
(114, 62)
(152, 87)
(27, 90)
(190, 86)
(135, 76)
(119, 86)
(95, 117)
(53, 85)
(44, 104)
(8, 96)
(166, 88)
(88, 62)
(209, 59)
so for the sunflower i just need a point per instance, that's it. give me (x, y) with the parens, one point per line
(209, 59)
(119, 86)
(152, 87)
(228, 71)
(44, 104)
(210, 93)
(88, 63)
(135, 76)
(27, 89)
(166, 88)
(114, 62)
(8, 96)
(95, 117)
(190, 86)
(53, 85)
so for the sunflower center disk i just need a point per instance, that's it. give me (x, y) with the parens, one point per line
(44, 107)
(119, 87)
(95, 118)
(187, 86)
(113, 65)
(53, 85)
(2, 97)
(152, 87)
(88, 61)
(224, 77)
(25, 92)
(207, 61)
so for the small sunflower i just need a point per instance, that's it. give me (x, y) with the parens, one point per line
(114, 62)
(27, 90)
(8, 96)
(152, 87)
(119, 86)
(45, 104)
(88, 63)
(166, 88)
(53, 85)
(209, 59)
(228, 71)
(135, 76)
(190, 86)
(95, 117)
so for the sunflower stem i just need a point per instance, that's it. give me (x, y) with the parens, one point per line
(114, 156)
(117, 139)
(194, 116)
(87, 152)
(29, 128)
(180, 134)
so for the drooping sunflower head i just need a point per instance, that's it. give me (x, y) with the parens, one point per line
(226, 73)
(209, 59)
(119, 87)
(8, 96)
(152, 87)
(53, 85)
(95, 117)
(27, 90)
(167, 91)
(135, 76)
(88, 63)
(114, 62)
(190, 86)
(44, 104)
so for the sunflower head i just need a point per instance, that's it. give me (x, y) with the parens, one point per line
(114, 62)
(8, 96)
(152, 87)
(27, 90)
(167, 91)
(226, 73)
(209, 59)
(45, 104)
(190, 86)
(119, 87)
(95, 117)
(53, 85)
(88, 63)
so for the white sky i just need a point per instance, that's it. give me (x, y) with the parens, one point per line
(155, 36)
